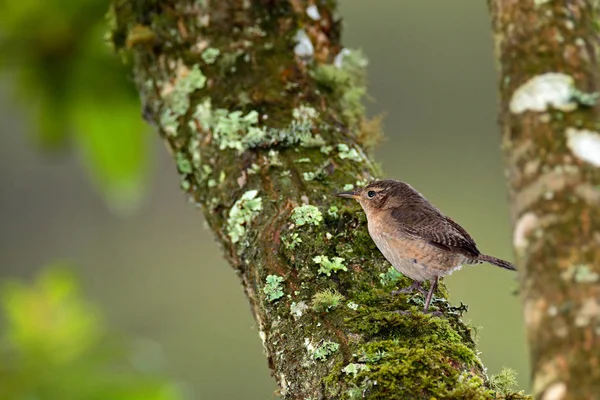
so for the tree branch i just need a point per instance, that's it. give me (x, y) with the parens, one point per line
(548, 58)
(260, 107)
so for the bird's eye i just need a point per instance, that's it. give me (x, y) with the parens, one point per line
(371, 194)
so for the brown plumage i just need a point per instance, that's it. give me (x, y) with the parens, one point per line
(414, 236)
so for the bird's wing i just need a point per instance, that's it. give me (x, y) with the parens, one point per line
(435, 228)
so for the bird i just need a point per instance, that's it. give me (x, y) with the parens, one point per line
(414, 236)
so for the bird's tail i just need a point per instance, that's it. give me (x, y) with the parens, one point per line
(496, 261)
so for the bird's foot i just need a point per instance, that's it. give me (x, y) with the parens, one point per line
(415, 286)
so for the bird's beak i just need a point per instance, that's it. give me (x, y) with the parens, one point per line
(348, 195)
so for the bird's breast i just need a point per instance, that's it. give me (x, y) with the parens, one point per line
(413, 257)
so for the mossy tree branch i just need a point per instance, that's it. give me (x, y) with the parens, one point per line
(260, 107)
(547, 53)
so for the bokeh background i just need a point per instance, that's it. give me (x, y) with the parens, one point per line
(141, 254)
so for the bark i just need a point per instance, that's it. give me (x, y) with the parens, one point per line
(260, 108)
(547, 53)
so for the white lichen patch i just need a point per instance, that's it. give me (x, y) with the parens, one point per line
(556, 391)
(339, 58)
(584, 144)
(305, 113)
(244, 210)
(297, 309)
(549, 89)
(313, 12)
(304, 47)
(525, 226)
(590, 310)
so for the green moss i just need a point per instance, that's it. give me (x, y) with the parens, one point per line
(273, 289)
(307, 214)
(326, 300)
(389, 369)
(328, 266)
(345, 80)
(291, 241)
(242, 213)
(505, 382)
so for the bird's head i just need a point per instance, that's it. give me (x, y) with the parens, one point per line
(378, 195)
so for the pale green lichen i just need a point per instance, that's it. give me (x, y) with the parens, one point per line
(581, 273)
(273, 289)
(305, 114)
(391, 276)
(354, 368)
(185, 184)
(352, 305)
(584, 274)
(242, 213)
(177, 101)
(309, 176)
(234, 130)
(210, 55)
(307, 215)
(328, 266)
(333, 212)
(346, 152)
(325, 350)
(273, 157)
(194, 149)
(347, 187)
(183, 164)
(326, 300)
(326, 149)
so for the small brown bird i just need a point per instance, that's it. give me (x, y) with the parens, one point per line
(414, 236)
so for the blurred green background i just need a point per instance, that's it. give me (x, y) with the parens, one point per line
(143, 257)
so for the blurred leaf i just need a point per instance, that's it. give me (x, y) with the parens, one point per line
(48, 319)
(54, 347)
(77, 90)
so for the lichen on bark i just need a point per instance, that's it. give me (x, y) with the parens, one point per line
(547, 53)
(260, 106)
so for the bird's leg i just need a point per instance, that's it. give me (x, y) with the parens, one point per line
(434, 284)
(416, 285)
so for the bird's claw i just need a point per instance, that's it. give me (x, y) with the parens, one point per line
(415, 286)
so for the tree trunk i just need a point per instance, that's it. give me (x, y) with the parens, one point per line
(260, 107)
(547, 53)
